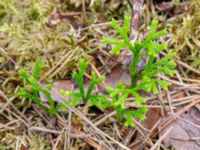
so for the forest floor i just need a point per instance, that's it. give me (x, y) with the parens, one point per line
(60, 33)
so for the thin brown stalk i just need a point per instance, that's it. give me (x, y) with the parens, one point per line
(161, 138)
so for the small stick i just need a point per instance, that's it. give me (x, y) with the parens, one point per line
(45, 130)
(161, 138)
(99, 122)
(83, 12)
(160, 99)
(7, 124)
(63, 64)
(129, 136)
(89, 27)
(179, 78)
(184, 102)
(170, 102)
(69, 130)
(176, 82)
(58, 63)
(57, 141)
(188, 79)
(17, 116)
(147, 10)
(136, 18)
(188, 67)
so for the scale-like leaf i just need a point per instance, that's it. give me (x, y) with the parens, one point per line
(37, 68)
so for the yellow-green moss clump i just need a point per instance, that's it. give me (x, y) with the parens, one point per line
(185, 35)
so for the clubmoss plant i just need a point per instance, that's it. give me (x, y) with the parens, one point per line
(32, 90)
(86, 94)
(148, 46)
(116, 98)
(144, 80)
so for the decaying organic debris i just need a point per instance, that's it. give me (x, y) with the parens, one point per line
(63, 31)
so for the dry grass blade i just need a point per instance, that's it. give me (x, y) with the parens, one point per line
(161, 138)
(188, 67)
(102, 120)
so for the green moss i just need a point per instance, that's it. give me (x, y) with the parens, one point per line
(185, 35)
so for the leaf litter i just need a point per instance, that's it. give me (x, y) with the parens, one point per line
(52, 46)
(185, 133)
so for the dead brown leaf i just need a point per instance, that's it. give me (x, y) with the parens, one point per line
(186, 131)
(153, 116)
(118, 75)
